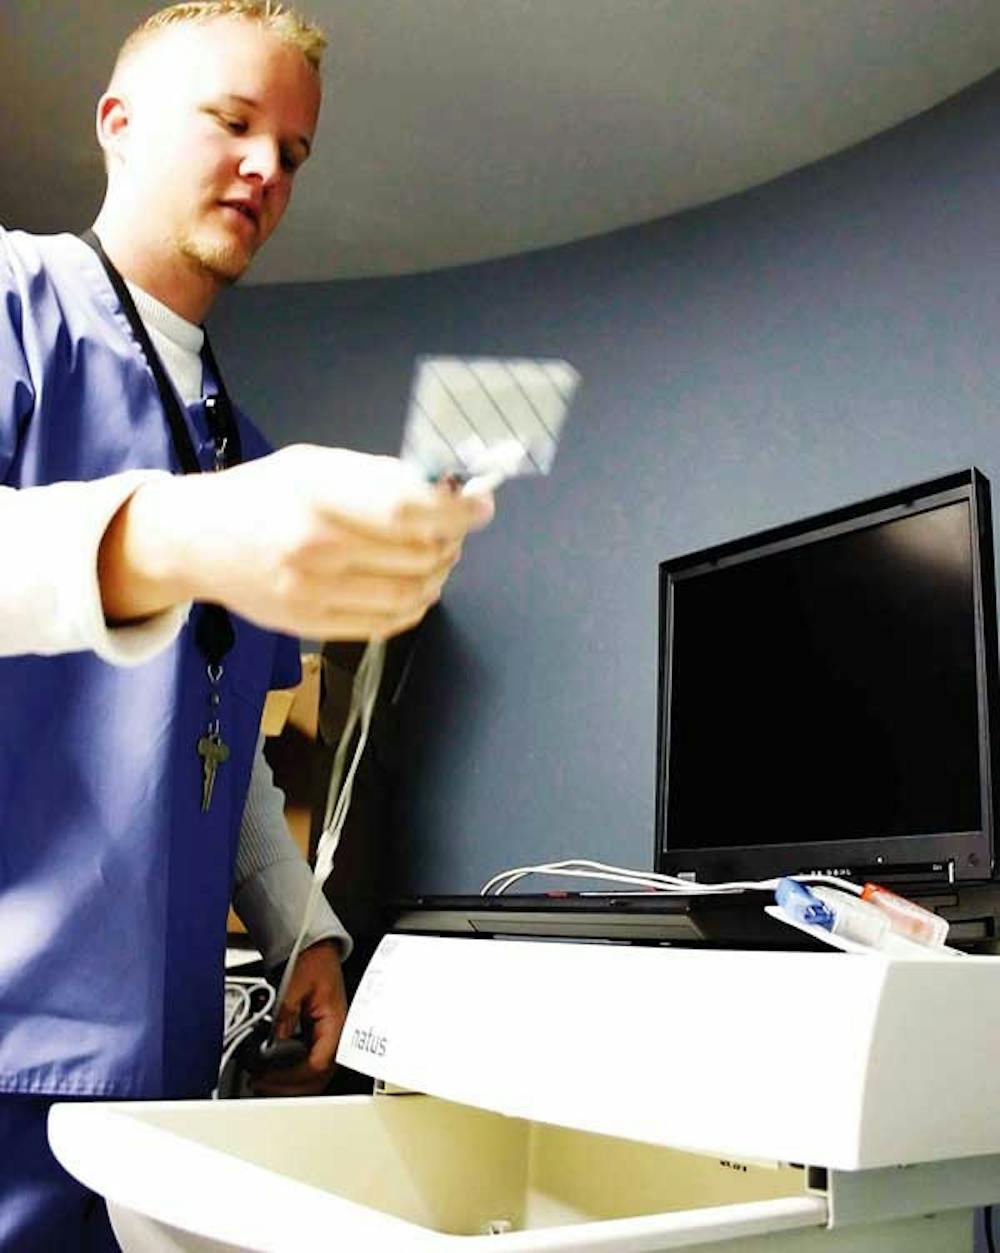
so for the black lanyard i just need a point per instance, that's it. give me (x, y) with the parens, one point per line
(218, 408)
(213, 630)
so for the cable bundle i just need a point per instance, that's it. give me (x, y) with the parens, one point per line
(248, 1002)
(647, 881)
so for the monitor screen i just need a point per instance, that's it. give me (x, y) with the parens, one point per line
(827, 692)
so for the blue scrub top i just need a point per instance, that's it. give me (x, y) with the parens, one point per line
(114, 886)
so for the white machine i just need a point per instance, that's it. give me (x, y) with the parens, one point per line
(576, 1096)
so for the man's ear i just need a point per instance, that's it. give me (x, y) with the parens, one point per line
(113, 118)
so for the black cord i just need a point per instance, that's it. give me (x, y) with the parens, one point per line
(988, 1228)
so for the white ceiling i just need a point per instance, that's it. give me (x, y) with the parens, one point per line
(459, 130)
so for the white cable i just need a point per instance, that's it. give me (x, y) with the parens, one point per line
(639, 876)
(363, 696)
(228, 1054)
(649, 880)
(240, 991)
(634, 881)
(666, 886)
(238, 1007)
(240, 1017)
(364, 693)
(591, 869)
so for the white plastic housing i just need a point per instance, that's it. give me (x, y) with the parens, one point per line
(834, 1059)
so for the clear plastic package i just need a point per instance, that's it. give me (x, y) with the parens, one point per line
(906, 918)
(854, 918)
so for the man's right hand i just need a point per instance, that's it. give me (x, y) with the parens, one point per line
(317, 542)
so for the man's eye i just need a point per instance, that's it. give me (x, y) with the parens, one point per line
(235, 125)
(289, 162)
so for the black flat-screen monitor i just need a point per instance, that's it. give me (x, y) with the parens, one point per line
(828, 694)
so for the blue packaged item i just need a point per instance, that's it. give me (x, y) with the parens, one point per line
(802, 905)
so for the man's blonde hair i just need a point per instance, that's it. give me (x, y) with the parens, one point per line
(274, 16)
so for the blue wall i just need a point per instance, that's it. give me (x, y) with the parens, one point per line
(830, 336)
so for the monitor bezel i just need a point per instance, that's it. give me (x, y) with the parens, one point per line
(948, 855)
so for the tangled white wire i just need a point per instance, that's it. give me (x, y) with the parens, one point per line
(241, 1016)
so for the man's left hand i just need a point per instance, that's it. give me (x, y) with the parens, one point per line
(316, 999)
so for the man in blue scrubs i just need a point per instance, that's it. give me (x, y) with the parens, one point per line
(156, 558)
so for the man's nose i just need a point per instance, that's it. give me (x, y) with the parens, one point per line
(261, 160)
